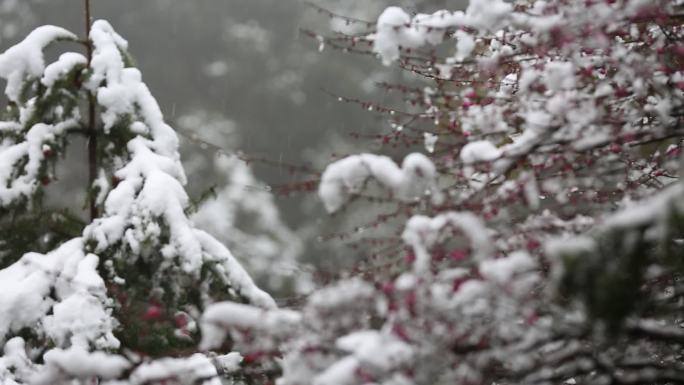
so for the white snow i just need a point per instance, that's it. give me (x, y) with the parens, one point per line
(25, 60)
(341, 294)
(348, 176)
(80, 310)
(422, 233)
(219, 318)
(229, 363)
(231, 272)
(430, 141)
(502, 270)
(487, 14)
(379, 350)
(392, 32)
(371, 350)
(559, 76)
(76, 362)
(479, 151)
(15, 365)
(396, 28)
(465, 44)
(66, 63)
(195, 369)
(16, 186)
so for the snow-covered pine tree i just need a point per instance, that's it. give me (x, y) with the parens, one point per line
(134, 278)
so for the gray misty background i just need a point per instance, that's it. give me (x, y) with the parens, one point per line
(239, 75)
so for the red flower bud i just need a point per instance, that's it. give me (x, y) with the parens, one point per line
(533, 244)
(615, 148)
(458, 255)
(388, 288)
(252, 357)
(181, 320)
(153, 313)
(400, 332)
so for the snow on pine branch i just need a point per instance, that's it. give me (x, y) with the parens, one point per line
(25, 62)
(27, 141)
(64, 366)
(60, 296)
(78, 363)
(59, 69)
(29, 153)
(220, 317)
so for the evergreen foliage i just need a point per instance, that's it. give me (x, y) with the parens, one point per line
(138, 274)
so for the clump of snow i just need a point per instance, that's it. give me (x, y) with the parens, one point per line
(465, 44)
(531, 190)
(25, 60)
(15, 186)
(372, 351)
(422, 233)
(78, 363)
(376, 349)
(72, 276)
(231, 272)
(341, 294)
(430, 141)
(559, 76)
(480, 151)
(15, 366)
(66, 63)
(396, 29)
(348, 176)
(487, 14)
(81, 319)
(502, 270)
(219, 318)
(194, 369)
(392, 32)
(229, 363)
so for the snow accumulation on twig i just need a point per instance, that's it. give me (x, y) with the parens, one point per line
(348, 176)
